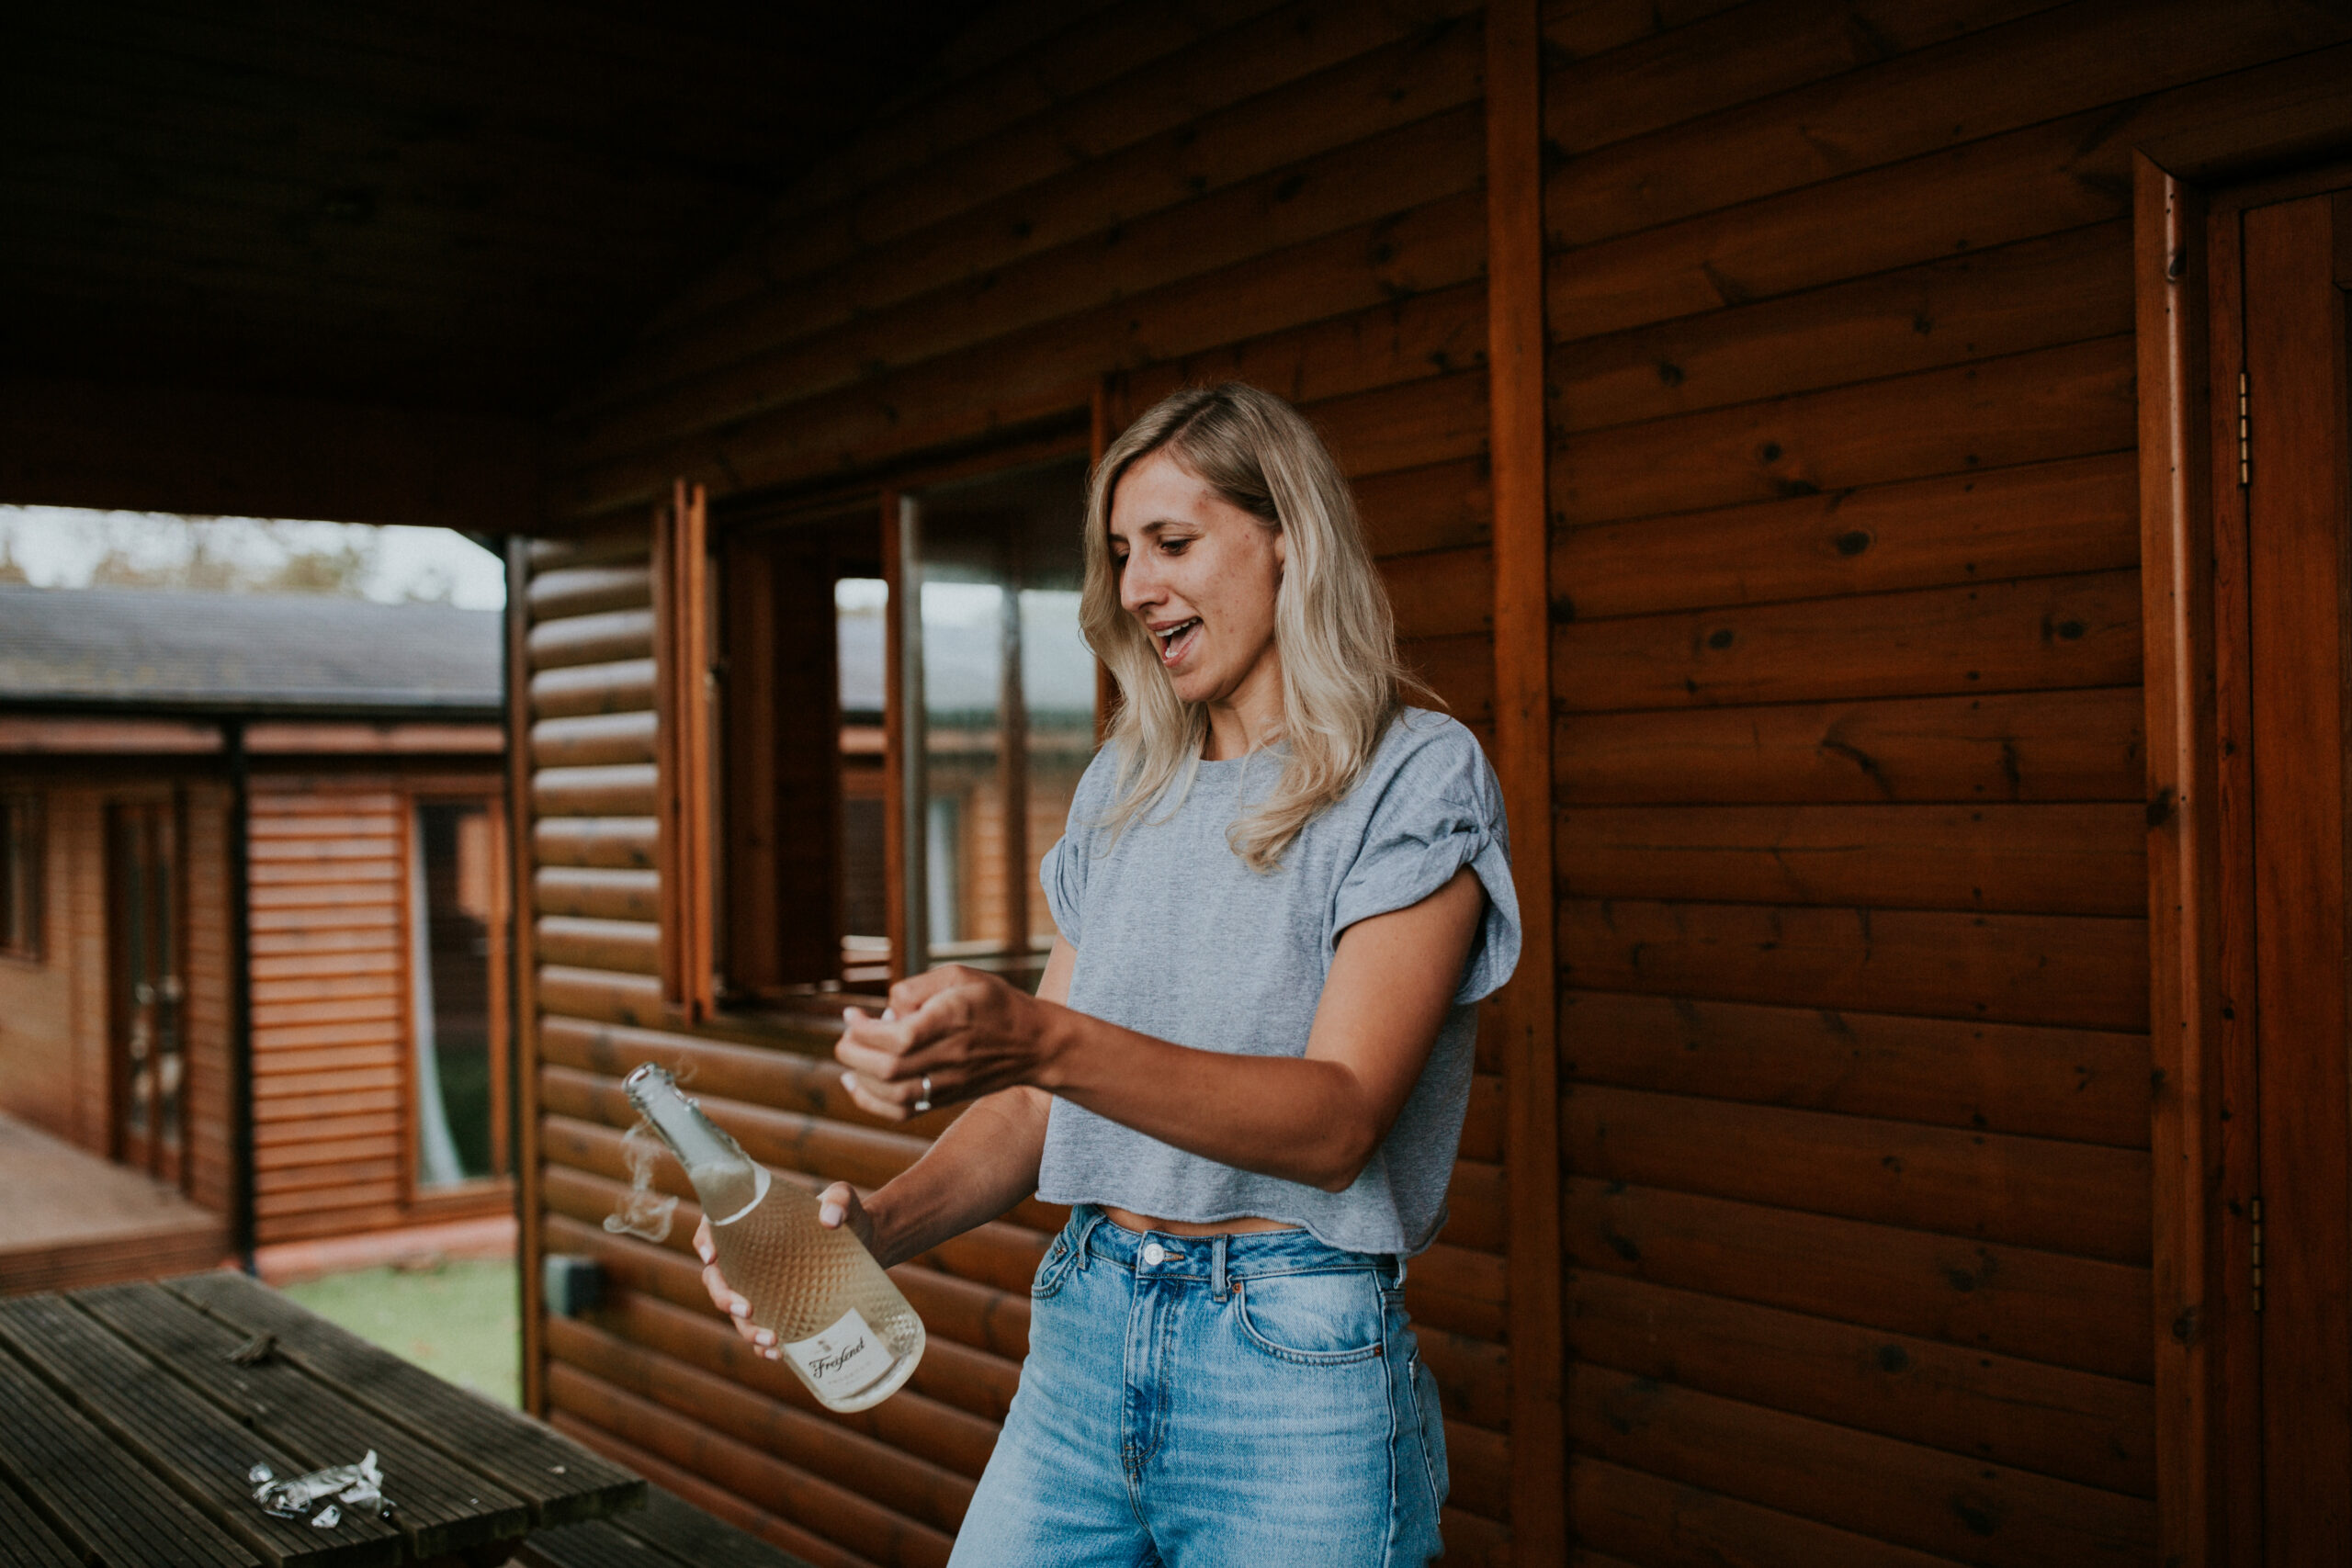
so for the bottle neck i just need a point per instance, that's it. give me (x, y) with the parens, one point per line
(701, 1145)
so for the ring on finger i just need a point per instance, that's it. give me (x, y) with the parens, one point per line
(923, 1103)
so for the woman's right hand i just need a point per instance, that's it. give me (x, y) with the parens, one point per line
(836, 1205)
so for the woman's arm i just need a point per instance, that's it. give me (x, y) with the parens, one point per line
(983, 1164)
(1317, 1119)
(980, 1167)
(974, 1172)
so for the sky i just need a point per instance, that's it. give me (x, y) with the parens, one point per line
(57, 547)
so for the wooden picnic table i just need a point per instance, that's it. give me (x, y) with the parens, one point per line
(131, 1415)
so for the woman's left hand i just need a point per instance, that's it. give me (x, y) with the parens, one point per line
(966, 1032)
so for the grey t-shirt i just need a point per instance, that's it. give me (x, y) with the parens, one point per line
(1179, 939)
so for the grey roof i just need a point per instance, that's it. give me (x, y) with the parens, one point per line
(166, 649)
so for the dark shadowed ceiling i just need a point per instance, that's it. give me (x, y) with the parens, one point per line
(455, 203)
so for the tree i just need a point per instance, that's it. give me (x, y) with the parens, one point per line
(196, 553)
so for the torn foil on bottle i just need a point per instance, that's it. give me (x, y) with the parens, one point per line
(357, 1486)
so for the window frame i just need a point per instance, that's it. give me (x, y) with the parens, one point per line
(462, 1197)
(692, 781)
(683, 806)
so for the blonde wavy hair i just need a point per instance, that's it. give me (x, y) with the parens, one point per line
(1342, 682)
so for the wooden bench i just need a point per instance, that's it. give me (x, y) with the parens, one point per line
(131, 1417)
(668, 1532)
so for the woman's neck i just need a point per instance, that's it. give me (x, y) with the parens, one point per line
(1251, 715)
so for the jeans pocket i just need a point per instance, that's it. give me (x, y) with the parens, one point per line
(1055, 1269)
(1432, 1419)
(1320, 1319)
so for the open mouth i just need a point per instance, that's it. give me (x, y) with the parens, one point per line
(1177, 641)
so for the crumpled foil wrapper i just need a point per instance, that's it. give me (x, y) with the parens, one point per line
(357, 1485)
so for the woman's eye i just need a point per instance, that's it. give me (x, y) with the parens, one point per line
(1174, 547)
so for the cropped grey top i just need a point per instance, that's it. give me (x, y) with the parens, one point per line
(1178, 938)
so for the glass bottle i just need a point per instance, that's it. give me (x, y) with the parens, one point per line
(840, 1323)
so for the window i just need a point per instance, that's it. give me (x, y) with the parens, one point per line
(861, 641)
(1007, 705)
(875, 718)
(20, 875)
(459, 1066)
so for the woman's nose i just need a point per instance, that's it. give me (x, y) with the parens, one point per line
(1138, 585)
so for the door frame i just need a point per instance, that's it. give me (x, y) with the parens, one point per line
(2205, 1173)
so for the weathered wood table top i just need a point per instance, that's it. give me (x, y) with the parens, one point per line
(128, 1424)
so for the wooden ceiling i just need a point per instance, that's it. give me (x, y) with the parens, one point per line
(459, 204)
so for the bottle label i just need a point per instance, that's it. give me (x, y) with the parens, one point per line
(843, 1359)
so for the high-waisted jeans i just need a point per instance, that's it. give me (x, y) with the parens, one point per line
(1211, 1401)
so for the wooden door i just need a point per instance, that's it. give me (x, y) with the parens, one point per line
(2296, 479)
(149, 1039)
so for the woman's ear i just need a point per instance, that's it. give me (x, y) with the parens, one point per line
(1282, 548)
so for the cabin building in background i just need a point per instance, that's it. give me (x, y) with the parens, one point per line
(1874, 474)
(360, 747)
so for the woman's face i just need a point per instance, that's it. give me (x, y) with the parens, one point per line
(1201, 575)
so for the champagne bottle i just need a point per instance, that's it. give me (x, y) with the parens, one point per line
(840, 1323)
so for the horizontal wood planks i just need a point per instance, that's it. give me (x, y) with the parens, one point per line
(1288, 192)
(331, 952)
(1849, 830)
(549, 1481)
(330, 1006)
(1848, 745)
(652, 1372)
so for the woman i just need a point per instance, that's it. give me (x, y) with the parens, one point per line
(1246, 1065)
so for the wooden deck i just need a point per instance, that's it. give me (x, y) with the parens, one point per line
(73, 1219)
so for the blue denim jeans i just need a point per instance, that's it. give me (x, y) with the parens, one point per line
(1199, 1402)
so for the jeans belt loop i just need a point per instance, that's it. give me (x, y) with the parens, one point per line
(1216, 1267)
(1085, 1233)
(1398, 1260)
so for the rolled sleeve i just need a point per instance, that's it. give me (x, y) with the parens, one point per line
(1418, 838)
(1062, 874)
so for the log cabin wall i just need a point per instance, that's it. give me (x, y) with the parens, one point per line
(1852, 884)
(1287, 193)
(1852, 893)
(332, 947)
(652, 1375)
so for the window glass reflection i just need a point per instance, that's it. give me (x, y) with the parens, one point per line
(1008, 708)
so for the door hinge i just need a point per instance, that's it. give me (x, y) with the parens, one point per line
(2245, 435)
(2257, 1254)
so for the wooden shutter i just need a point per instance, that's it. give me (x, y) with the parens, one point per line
(682, 650)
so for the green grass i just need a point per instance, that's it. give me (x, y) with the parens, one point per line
(457, 1320)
